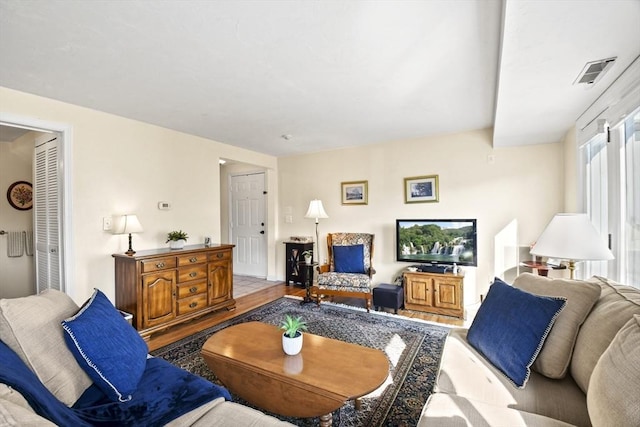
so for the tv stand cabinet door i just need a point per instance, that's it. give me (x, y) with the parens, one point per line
(434, 293)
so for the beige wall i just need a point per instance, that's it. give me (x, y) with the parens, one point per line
(523, 184)
(121, 166)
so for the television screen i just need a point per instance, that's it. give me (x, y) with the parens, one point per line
(437, 241)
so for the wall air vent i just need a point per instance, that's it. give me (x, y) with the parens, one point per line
(593, 71)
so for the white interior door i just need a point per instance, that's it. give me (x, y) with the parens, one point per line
(47, 218)
(248, 224)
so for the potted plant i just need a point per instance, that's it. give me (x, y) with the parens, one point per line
(308, 256)
(292, 336)
(177, 239)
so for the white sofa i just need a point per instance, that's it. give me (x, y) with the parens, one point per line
(31, 327)
(598, 385)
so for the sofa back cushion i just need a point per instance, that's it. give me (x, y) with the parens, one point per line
(616, 306)
(31, 327)
(553, 360)
(614, 387)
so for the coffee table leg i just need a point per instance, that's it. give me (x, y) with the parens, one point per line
(357, 403)
(326, 420)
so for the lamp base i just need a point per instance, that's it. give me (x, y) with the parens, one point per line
(572, 269)
(130, 251)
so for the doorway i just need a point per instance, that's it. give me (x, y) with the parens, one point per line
(62, 220)
(247, 197)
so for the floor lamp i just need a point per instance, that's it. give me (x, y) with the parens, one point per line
(316, 211)
(571, 237)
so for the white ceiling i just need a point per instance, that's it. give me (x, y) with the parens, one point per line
(329, 73)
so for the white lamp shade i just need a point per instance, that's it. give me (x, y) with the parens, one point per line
(129, 224)
(571, 237)
(316, 210)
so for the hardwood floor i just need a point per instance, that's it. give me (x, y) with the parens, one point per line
(251, 301)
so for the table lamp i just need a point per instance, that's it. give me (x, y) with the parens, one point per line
(316, 210)
(130, 224)
(571, 237)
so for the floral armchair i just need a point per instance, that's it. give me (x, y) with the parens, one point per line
(350, 268)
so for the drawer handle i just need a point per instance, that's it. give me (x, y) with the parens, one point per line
(193, 305)
(219, 255)
(193, 289)
(160, 265)
(193, 274)
(194, 259)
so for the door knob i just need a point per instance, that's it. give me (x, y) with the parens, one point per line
(262, 232)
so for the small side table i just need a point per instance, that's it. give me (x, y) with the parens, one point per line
(308, 279)
(542, 267)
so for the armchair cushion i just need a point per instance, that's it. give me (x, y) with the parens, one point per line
(349, 259)
(345, 281)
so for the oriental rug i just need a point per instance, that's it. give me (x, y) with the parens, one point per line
(412, 347)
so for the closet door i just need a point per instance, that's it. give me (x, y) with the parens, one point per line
(47, 230)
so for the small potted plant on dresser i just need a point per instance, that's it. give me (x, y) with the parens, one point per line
(177, 239)
(292, 336)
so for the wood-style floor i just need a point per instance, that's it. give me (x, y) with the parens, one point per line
(249, 302)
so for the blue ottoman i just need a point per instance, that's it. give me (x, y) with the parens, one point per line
(389, 296)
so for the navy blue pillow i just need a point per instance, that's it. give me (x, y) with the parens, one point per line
(107, 347)
(510, 328)
(348, 259)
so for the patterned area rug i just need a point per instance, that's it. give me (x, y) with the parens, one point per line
(412, 347)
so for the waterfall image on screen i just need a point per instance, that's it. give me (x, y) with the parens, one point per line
(437, 241)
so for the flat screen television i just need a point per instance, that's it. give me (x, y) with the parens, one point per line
(437, 241)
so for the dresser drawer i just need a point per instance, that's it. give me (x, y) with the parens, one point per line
(149, 265)
(192, 259)
(186, 274)
(188, 305)
(186, 290)
(219, 255)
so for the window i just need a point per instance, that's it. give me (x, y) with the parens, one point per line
(611, 183)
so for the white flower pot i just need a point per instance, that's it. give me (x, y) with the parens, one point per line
(177, 244)
(292, 346)
(307, 259)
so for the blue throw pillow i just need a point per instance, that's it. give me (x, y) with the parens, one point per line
(348, 259)
(511, 326)
(107, 347)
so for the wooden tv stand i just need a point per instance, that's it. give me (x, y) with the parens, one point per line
(437, 293)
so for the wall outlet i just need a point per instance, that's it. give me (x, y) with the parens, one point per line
(107, 223)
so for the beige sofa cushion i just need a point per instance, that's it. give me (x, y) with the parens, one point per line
(614, 388)
(616, 306)
(553, 360)
(12, 414)
(220, 413)
(449, 410)
(464, 372)
(31, 327)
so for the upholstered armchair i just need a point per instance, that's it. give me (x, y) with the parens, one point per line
(350, 268)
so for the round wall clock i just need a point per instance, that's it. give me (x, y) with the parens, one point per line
(20, 195)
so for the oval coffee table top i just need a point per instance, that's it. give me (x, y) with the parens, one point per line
(330, 369)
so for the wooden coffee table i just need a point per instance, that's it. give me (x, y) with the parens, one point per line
(249, 360)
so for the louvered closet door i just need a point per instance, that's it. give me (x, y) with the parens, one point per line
(47, 216)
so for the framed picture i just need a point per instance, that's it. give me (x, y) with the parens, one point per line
(354, 193)
(421, 189)
(20, 195)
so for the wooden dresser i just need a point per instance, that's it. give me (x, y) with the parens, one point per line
(434, 293)
(165, 287)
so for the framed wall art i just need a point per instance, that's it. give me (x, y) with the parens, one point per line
(20, 195)
(421, 189)
(354, 193)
